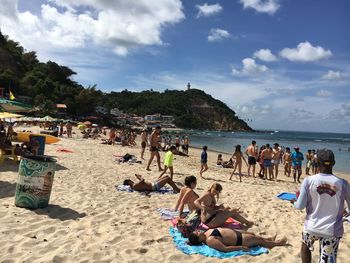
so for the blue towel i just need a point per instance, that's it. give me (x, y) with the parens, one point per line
(287, 196)
(127, 188)
(204, 250)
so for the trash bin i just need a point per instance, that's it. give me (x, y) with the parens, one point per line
(41, 140)
(35, 179)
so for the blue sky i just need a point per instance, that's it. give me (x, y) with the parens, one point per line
(284, 64)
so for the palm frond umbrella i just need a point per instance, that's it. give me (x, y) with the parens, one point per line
(9, 115)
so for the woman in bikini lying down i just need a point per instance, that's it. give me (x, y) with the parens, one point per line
(226, 239)
(213, 215)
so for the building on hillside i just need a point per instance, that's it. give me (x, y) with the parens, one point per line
(153, 118)
(61, 110)
(167, 118)
(101, 110)
(116, 112)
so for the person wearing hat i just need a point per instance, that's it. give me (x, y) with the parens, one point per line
(297, 160)
(323, 195)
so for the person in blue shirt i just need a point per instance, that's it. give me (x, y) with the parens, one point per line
(297, 160)
(204, 161)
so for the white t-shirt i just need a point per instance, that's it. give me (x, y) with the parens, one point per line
(323, 196)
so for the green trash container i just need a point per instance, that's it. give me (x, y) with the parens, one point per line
(35, 179)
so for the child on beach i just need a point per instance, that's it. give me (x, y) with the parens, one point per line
(238, 156)
(168, 161)
(204, 161)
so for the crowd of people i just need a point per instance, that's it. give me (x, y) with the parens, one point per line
(319, 190)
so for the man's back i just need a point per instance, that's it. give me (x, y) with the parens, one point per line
(323, 196)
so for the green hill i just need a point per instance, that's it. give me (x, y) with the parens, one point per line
(49, 83)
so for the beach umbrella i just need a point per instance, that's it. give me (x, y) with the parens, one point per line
(9, 115)
(81, 126)
(14, 106)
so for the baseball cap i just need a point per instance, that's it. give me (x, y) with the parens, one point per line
(296, 147)
(325, 156)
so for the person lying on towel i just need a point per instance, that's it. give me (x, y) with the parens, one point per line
(143, 185)
(227, 240)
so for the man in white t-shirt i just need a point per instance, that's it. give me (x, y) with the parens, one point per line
(323, 195)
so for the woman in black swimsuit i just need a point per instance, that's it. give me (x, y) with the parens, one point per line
(226, 239)
(214, 215)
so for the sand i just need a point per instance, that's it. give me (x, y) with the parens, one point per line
(89, 221)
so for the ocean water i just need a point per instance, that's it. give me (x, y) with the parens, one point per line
(225, 142)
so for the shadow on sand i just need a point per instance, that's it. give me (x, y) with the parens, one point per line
(61, 213)
(7, 189)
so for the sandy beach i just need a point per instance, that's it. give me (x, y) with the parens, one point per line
(89, 221)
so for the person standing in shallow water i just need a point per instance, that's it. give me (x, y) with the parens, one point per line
(154, 148)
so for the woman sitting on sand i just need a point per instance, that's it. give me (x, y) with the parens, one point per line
(213, 215)
(187, 195)
(227, 240)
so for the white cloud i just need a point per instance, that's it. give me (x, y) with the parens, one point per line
(249, 67)
(120, 25)
(265, 55)
(305, 52)
(208, 10)
(342, 113)
(217, 34)
(324, 93)
(262, 6)
(332, 75)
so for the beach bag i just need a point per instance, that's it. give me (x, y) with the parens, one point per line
(187, 225)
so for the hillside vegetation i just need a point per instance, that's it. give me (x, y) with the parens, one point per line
(49, 83)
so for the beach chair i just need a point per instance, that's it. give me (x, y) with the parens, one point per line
(8, 152)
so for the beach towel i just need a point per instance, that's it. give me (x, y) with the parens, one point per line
(287, 196)
(169, 214)
(230, 223)
(127, 188)
(64, 150)
(204, 250)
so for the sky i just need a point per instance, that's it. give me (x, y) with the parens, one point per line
(279, 64)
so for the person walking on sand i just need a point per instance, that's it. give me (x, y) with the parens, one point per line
(154, 148)
(144, 142)
(323, 195)
(204, 161)
(238, 156)
(177, 143)
(276, 158)
(186, 144)
(168, 161)
(252, 153)
(297, 159)
(267, 157)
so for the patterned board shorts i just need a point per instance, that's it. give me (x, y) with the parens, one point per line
(328, 246)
